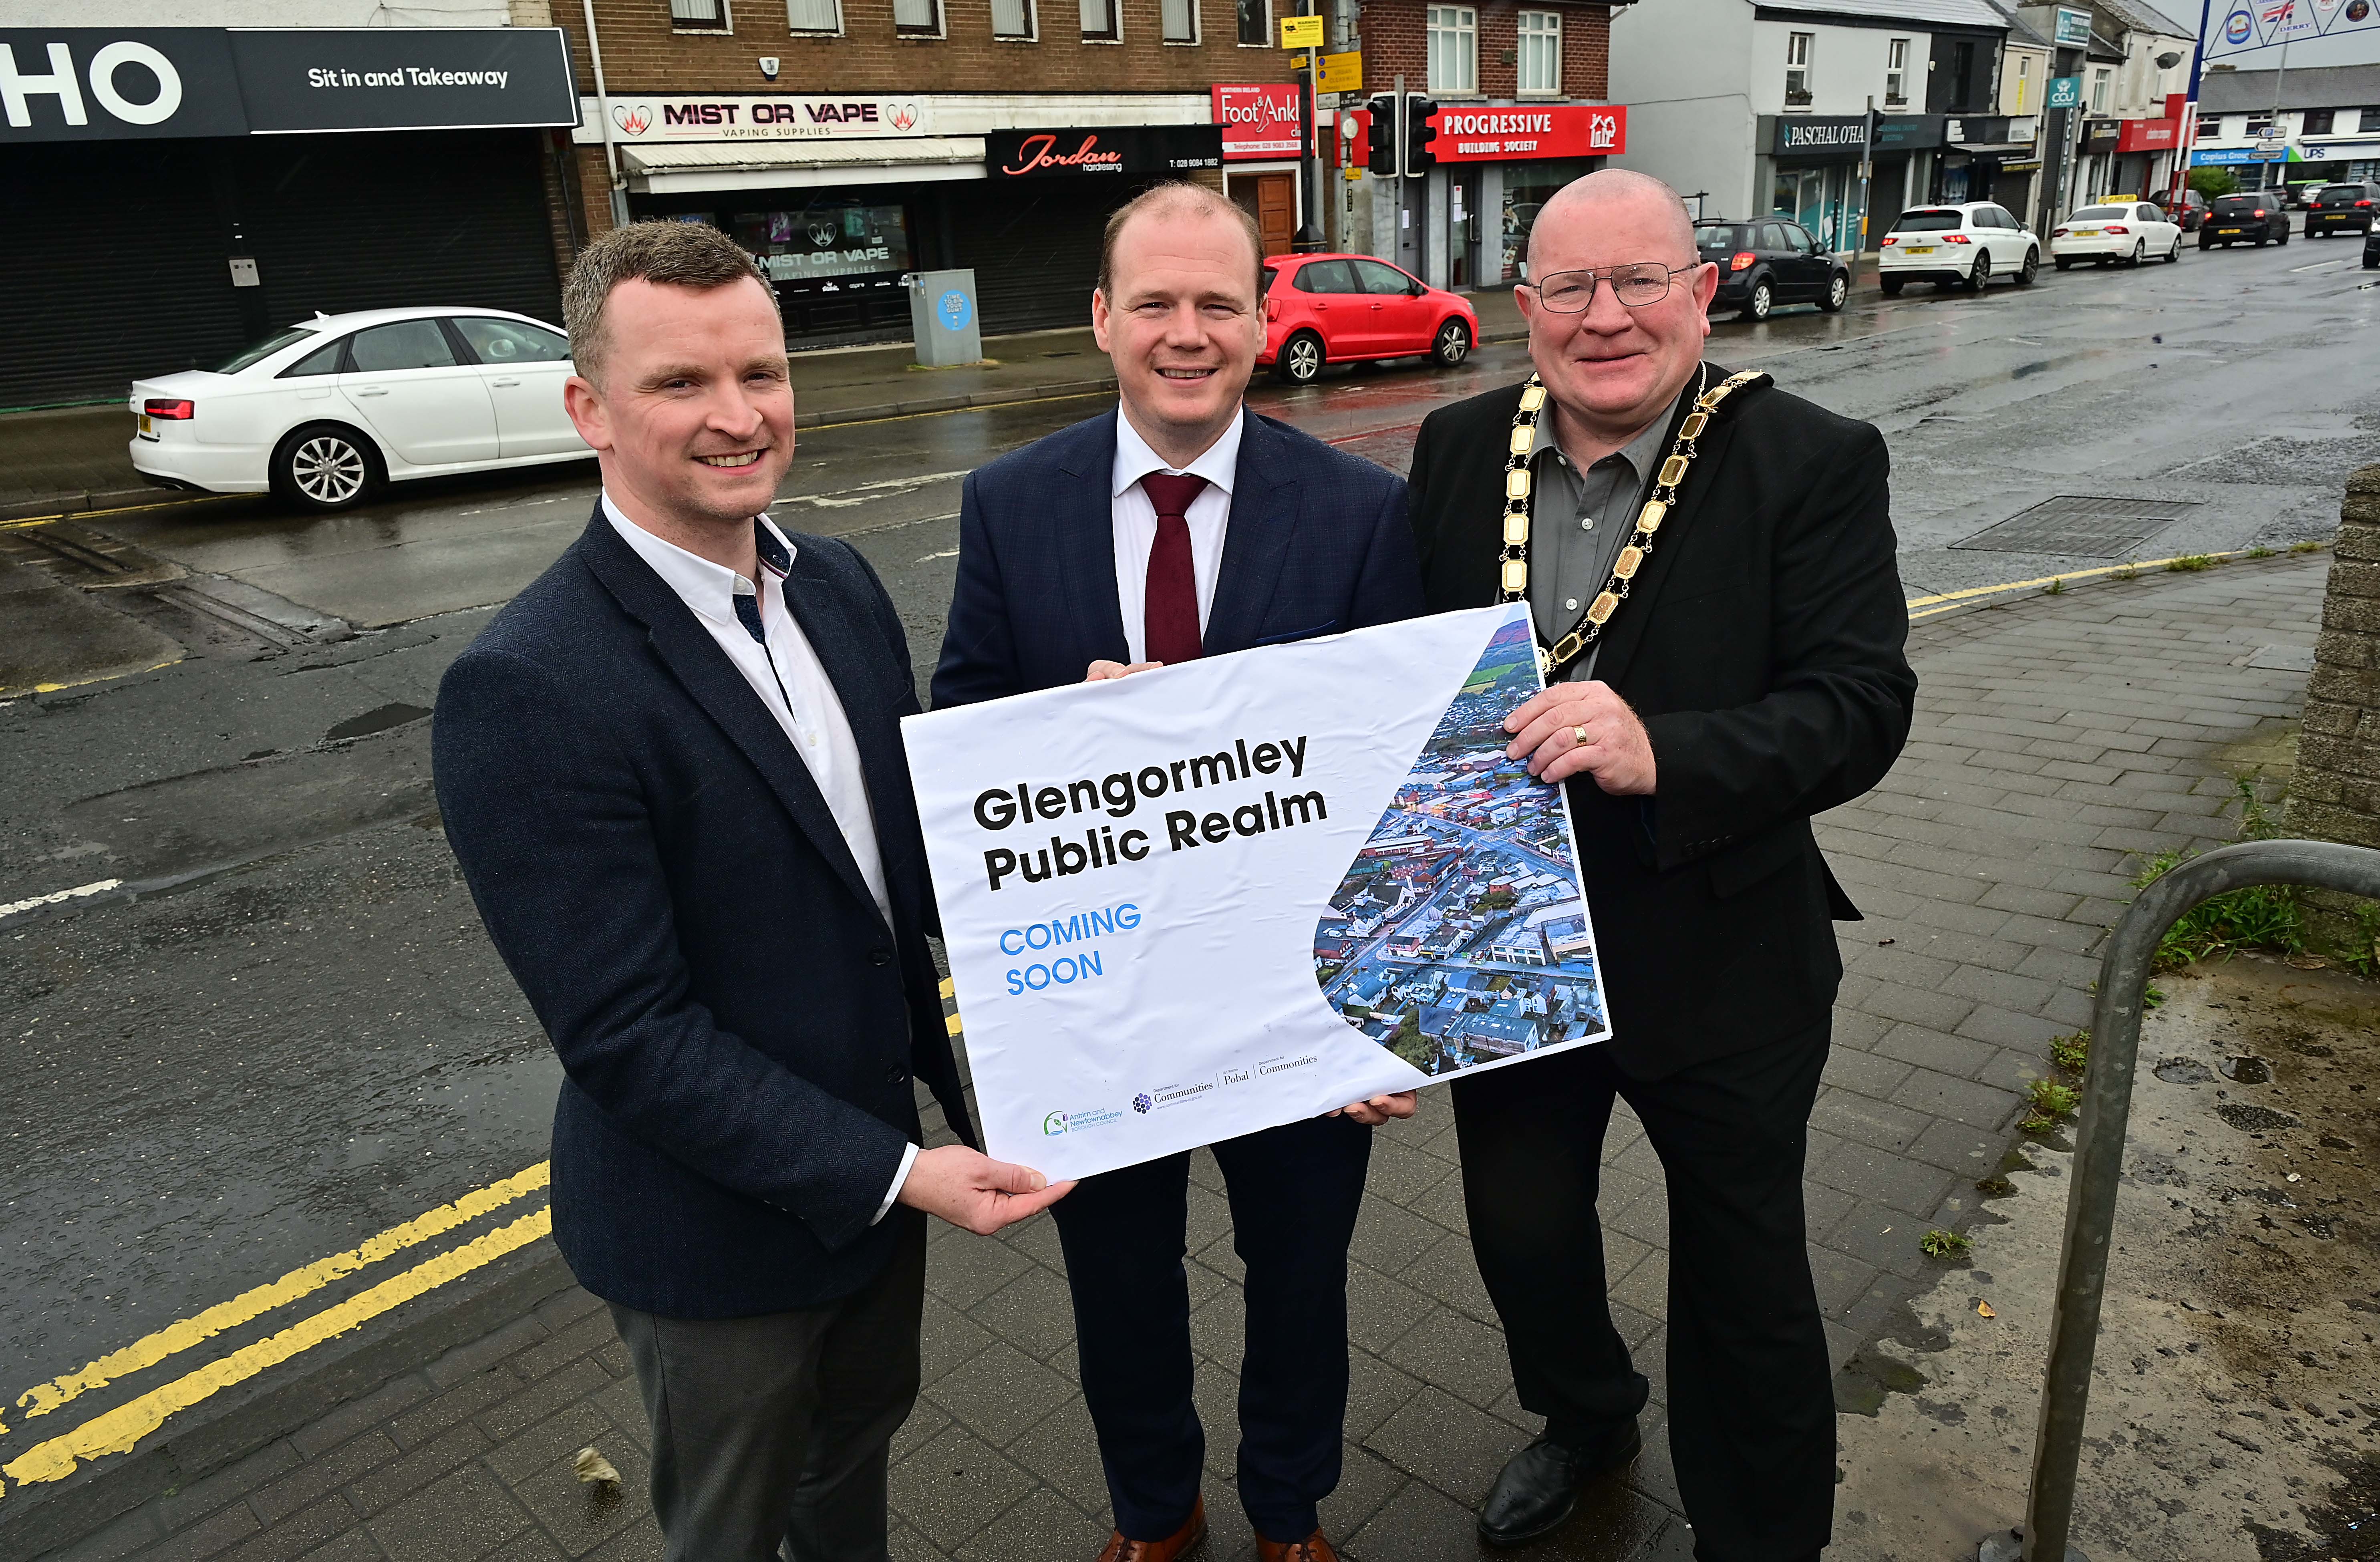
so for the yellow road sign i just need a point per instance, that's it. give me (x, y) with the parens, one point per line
(1342, 72)
(1301, 32)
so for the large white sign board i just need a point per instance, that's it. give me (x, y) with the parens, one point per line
(1221, 896)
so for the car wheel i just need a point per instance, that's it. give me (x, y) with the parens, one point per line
(2261, 239)
(325, 466)
(1756, 306)
(2174, 254)
(1891, 286)
(2284, 239)
(1980, 275)
(2031, 269)
(1839, 292)
(2065, 262)
(1453, 343)
(1300, 360)
(2140, 252)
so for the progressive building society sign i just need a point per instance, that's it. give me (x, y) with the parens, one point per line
(77, 84)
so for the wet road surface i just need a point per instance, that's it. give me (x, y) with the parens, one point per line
(295, 1035)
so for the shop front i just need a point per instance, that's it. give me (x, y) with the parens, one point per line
(1988, 158)
(2094, 178)
(840, 197)
(1263, 127)
(1812, 170)
(2145, 154)
(179, 193)
(1498, 164)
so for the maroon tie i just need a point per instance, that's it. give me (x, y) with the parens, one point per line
(1169, 601)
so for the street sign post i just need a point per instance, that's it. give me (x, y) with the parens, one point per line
(2073, 29)
(1301, 32)
(1342, 72)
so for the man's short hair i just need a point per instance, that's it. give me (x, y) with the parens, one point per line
(691, 255)
(1177, 197)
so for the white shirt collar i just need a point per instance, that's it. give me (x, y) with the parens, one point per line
(1219, 463)
(710, 589)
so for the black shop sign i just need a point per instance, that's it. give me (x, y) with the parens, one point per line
(1835, 138)
(1130, 151)
(92, 84)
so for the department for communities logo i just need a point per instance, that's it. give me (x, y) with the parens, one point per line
(1141, 1103)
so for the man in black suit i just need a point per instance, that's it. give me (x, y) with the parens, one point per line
(1726, 671)
(1175, 526)
(672, 771)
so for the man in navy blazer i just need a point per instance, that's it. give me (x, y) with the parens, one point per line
(1180, 524)
(672, 772)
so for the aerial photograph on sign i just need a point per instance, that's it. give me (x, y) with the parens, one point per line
(1458, 937)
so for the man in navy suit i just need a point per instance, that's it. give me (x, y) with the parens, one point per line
(1176, 526)
(672, 772)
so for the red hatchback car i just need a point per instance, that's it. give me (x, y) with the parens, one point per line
(1338, 309)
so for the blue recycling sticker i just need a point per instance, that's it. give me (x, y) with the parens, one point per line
(956, 309)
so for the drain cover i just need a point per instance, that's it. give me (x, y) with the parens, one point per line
(2081, 525)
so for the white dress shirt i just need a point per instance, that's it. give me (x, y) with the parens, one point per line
(791, 685)
(1135, 523)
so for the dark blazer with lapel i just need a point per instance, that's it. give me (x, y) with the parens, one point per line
(738, 1026)
(1318, 543)
(1762, 646)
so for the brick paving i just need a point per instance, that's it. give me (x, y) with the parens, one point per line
(2057, 738)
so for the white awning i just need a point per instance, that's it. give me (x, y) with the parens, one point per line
(695, 166)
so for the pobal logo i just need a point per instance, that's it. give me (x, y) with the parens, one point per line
(17, 88)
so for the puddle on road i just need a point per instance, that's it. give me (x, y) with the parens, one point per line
(371, 721)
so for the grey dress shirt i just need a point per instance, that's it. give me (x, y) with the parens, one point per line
(1579, 521)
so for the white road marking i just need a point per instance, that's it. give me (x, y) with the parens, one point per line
(868, 493)
(2322, 266)
(13, 907)
(945, 553)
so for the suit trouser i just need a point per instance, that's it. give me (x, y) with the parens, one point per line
(1294, 1193)
(1752, 1414)
(771, 1430)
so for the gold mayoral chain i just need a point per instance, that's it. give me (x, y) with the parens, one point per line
(1514, 560)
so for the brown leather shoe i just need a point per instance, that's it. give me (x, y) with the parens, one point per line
(1180, 1543)
(1313, 1548)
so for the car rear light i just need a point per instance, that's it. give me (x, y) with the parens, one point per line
(1891, 240)
(1743, 257)
(2258, 212)
(1956, 238)
(1272, 309)
(2058, 233)
(2116, 228)
(2362, 203)
(173, 411)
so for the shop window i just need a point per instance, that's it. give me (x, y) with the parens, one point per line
(1101, 23)
(1453, 50)
(2210, 127)
(814, 16)
(1540, 53)
(1178, 20)
(830, 238)
(698, 15)
(917, 18)
(1011, 18)
(1896, 72)
(2316, 121)
(1255, 23)
(1797, 68)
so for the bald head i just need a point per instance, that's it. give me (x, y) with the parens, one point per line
(1583, 205)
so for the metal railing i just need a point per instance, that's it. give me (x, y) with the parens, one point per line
(2099, 1151)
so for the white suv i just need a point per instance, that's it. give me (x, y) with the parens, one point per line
(1967, 243)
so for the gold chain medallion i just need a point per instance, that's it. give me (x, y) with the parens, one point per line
(1512, 564)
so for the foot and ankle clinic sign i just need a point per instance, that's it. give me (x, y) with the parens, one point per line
(77, 84)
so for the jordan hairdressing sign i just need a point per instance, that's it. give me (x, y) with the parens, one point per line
(1215, 898)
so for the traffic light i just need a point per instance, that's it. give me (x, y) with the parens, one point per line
(1419, 133)
(1383, 135)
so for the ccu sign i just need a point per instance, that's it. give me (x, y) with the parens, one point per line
(80, 84)
(1494, 135)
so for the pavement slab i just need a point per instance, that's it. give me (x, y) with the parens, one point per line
(1977, 949)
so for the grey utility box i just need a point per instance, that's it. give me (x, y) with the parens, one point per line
(944, 318)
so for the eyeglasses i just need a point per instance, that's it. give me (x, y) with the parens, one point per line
(1636, 285)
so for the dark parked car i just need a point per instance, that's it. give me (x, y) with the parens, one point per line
(1771, 261)
(2254, 219)
(2191, 215)
(2371, 249)
(2344, 208)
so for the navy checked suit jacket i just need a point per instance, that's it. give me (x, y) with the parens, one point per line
(1318, 543)
(738, 1023)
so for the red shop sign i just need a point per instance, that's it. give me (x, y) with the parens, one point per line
(2148, 134)
(1494, 135)
(1260, 119)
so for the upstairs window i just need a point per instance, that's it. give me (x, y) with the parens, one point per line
(1255, 23)
(1896, 72)
(2099, 80)
(698, 15)
(1797, 68)
(2316, 121)
(1453, 50)
(1178, 20)
(813, 15)
(1100, 23)
(917, 18)
(1011, 18)
(1540, 53)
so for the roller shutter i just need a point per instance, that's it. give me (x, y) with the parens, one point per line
(1034, 247)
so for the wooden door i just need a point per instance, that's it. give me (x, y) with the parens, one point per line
(1271, 199)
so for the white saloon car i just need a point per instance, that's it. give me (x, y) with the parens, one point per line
(335, 407)
(1967, 243)
(2131, 231)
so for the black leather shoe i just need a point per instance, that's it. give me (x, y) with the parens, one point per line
(1539, 1485)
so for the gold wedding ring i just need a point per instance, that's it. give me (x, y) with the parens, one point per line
(1578, 736)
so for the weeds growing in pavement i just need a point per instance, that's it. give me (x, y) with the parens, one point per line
(2057, 586)
(2071, 1052)
(2305, 546)
(2259, 552)
(1939, 1244)
(2126, 572)
(2190, 564)
(2052, 1104)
